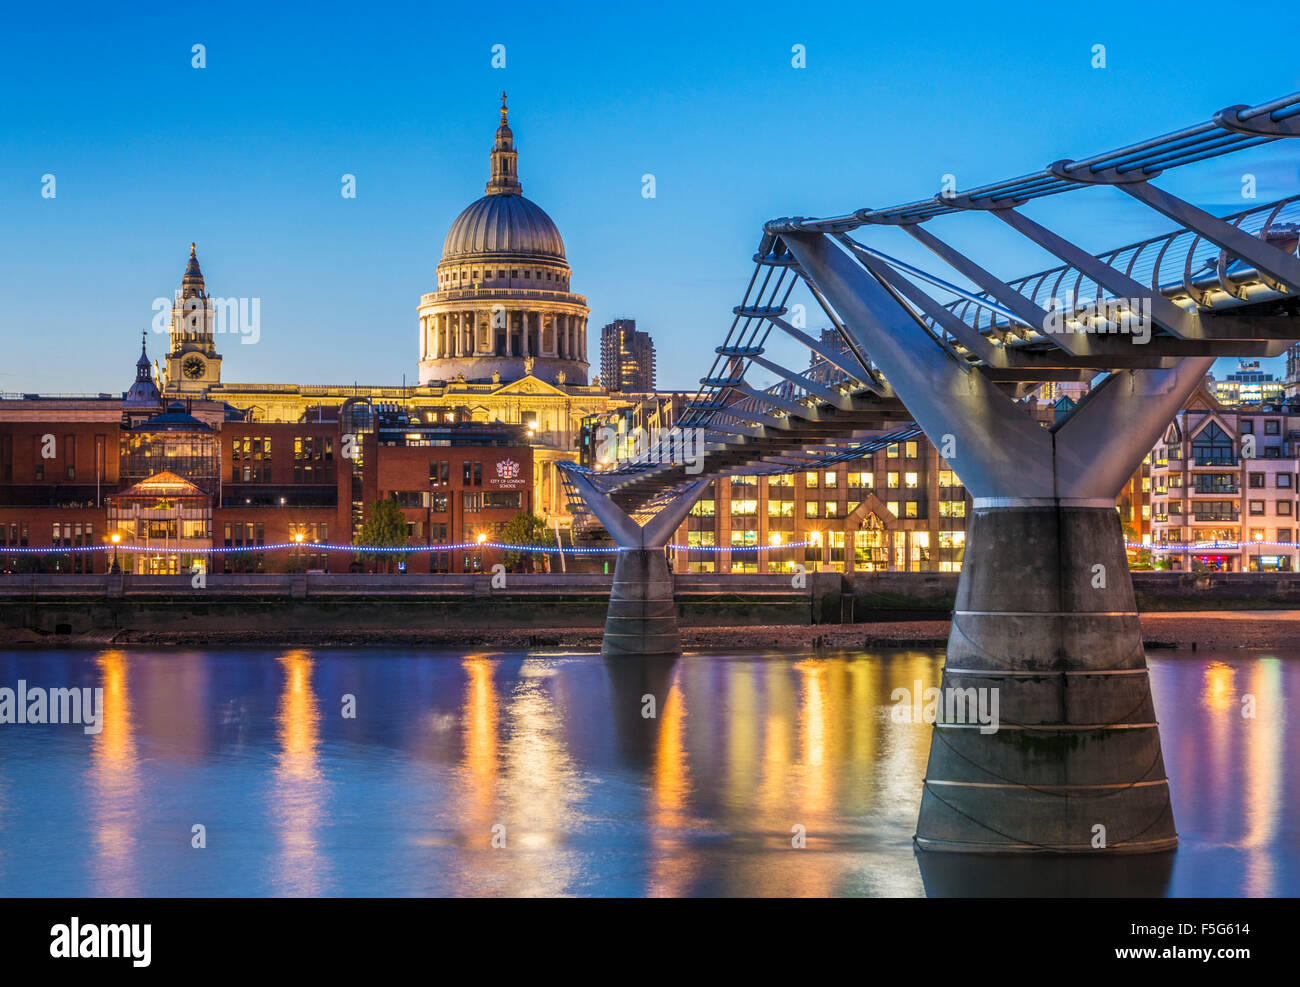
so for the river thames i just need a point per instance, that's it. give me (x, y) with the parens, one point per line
(553, 756)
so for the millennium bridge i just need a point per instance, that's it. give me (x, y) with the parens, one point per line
(1045, 611)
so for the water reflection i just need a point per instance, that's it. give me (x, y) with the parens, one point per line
(755, 775)
(115, 785)
(298, 789)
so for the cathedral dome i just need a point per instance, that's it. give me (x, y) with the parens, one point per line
(503, 310)
(501, 223)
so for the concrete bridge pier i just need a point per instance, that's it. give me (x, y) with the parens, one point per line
(1045, 738)
(1045, 632)
(642, 615)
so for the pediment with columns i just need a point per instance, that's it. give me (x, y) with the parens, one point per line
(529, 385)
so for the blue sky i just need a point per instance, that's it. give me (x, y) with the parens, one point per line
(245, 156)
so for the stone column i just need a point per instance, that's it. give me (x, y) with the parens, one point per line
(523, 334)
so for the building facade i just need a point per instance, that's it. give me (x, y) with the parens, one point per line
(627, 357)
(191, 486)
(1223, 488)
(1249, 385)
(900, 509)
(456, 485)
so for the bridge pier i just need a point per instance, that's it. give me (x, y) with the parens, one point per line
(642, 616)
(1046, 621)
(1045, 629)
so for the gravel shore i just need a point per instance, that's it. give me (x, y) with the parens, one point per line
(1213, 630)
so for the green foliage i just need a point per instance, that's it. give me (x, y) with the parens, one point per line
(385, 526)
(526, 529)
(1138, 558)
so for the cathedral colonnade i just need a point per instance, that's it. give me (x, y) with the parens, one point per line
(505, 332)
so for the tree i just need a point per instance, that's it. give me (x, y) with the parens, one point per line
(529, 530)
(1139, 558)
(384, 527)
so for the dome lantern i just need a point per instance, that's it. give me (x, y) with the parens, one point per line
(505, 160)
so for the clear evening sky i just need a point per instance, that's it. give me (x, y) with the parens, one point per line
(245, 156)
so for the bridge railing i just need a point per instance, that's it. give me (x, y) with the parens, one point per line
(1179, 263)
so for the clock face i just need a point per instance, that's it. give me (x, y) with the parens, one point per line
(193, 368)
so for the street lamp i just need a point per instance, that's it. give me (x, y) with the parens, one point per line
(115, 537)
(774, 539)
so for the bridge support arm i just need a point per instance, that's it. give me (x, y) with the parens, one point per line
(996, 442)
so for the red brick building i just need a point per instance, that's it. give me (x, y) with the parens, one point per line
(175, 481)
(454, 483)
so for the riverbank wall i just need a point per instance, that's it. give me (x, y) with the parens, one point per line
(151, 607)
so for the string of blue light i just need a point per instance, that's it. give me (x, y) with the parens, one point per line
(380, 549)
(504, 546)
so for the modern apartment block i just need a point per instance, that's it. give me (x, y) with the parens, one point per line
(1223, 487)
(1249, 385)
(901, 509)
(627, 357)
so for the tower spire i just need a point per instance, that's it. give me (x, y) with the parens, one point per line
(142, 365)
(505, 159)
(192, 282)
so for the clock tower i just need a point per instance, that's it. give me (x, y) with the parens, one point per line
(193, 363)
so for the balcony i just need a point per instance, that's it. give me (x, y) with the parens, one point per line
(1216, 516)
